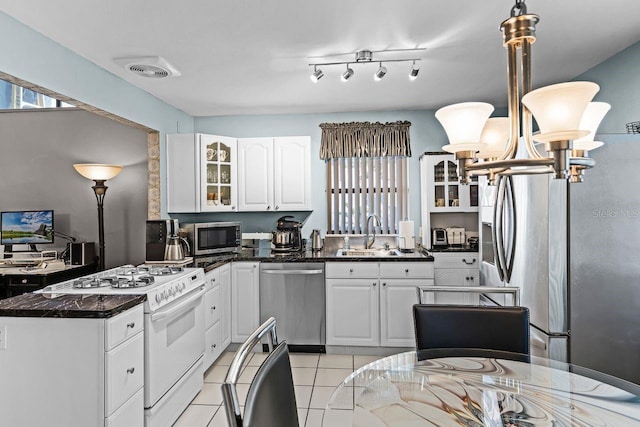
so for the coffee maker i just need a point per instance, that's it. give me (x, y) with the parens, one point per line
(288, 236)
(158, 233)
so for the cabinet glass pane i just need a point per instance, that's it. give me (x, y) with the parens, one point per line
(212, 174)
(452, 172)
(438, 172)
(225, 195)
(453, 195)
(213, 195)
(439, 196)
(224, 153)
(473, 195)
(212, 152)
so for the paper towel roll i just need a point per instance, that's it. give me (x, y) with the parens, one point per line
(406, 228)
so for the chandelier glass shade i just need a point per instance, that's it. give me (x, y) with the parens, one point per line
(491, 146)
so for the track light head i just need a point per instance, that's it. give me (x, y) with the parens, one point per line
(381, 72)
(317, 74)
(415, 69)
(347, 74)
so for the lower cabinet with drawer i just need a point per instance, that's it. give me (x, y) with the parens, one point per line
(217, 301)
(77, 371)
(455, 269)
(369, 303)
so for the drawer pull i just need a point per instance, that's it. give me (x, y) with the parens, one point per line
(213, 346)
(384, 284)
(131, 325)
(213, 308)
(374, 284)
(351, 270)
(473, 261)
(406, 270)
(131, 370)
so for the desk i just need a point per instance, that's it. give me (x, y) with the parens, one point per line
(14, 281)
(401, 390)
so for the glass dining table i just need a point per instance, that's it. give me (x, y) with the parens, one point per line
(463, 387)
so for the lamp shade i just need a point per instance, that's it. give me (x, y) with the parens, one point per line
(97, 172)
(463, 124)
(591, 119)
(495, 137)
(558, 109)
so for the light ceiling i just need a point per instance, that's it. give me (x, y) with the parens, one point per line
(252, 56)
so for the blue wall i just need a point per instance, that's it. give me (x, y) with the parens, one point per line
(619, 80)
(426, 135)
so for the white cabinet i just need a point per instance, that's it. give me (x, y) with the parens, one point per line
(274, 174)
(455, 269)
(352, 312)
(78, 371)
(245, 300)
(398, 294)
(255, 180)
(201, 173)
(444, 201)
(370, 304)
(217, 300)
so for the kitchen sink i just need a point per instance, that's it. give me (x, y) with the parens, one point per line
(380, 253)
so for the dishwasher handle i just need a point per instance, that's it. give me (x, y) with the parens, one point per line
(287, 272)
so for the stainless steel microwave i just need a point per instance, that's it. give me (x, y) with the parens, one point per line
(208, 238)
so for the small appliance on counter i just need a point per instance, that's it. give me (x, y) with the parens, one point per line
(316, 241)
(158, 231)
(288, 236)
(210, 238)
(406, 240)
(456, 236)
(439, 239)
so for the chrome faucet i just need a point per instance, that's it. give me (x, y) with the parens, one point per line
(368, 245)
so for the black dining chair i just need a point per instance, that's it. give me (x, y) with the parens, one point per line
(271, 400)
(493, 331)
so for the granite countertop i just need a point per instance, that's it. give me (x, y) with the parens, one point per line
(454, 249)
(324, 255)
(68, 306)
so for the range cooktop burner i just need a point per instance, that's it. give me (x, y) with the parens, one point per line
(165, 271)
(90, 282)
(135, 282)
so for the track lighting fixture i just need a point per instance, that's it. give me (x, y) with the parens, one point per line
(317, 74)
(347, 74)
(366, 57)
(413, 73)
(381, 72)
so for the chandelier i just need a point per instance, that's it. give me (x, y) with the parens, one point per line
(504, 146)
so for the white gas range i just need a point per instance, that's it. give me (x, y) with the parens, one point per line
(173, 330)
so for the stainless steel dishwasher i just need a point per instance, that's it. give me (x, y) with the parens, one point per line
(293, 293)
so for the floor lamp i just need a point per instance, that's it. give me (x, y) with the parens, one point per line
(99, 174)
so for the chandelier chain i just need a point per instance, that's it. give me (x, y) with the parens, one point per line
(519, 8)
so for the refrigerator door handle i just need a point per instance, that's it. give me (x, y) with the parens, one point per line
(498, 254)
(511, 202)
(538, 343)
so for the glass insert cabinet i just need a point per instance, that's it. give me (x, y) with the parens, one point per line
(219, 162)
(440, 177)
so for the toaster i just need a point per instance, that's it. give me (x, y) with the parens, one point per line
(439, 237)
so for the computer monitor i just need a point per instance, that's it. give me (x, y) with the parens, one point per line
(26, 227)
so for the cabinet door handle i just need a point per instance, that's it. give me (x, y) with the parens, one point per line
(384, 284)
(213, 308)
(268, 208)
(131, 325)
(277, 207)
(131, 370)
(213, 346)
(351, 270)
(406, 270)
(473, 261)
(374, 284)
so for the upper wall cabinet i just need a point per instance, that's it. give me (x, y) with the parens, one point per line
(274, 174)
(442, 191)
(201, 173)
(211, 173)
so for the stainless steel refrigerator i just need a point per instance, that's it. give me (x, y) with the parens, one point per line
(574, 252)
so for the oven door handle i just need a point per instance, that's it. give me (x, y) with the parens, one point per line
(285, 272)
(174, 309)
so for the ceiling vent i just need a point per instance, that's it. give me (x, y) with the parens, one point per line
(148, 66)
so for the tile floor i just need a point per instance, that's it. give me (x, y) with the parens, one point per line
(315, 376)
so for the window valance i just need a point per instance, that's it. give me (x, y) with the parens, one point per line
(365, 139)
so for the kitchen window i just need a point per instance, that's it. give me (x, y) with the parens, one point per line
(367, 174)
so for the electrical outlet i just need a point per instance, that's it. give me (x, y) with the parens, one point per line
(3, 337)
